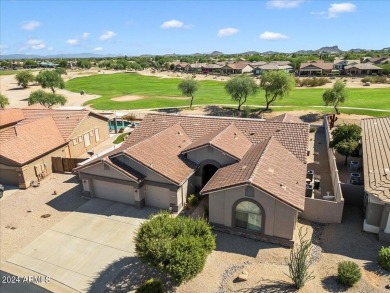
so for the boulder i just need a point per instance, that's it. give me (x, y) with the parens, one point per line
(243, 276)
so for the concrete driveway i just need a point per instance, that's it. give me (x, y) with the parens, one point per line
(86, 249)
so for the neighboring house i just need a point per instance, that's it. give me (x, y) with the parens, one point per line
(212, 68)
(253, 170)
(26, 151)
(195, 67)
(181, 66)
(31, 136)
(340, 64)
(258, 70)
(363, 69)
(376, 167)
(237, 68)
(376, 60)
(318, 67)
(83, 129)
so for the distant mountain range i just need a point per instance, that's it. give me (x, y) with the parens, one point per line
(328, 49)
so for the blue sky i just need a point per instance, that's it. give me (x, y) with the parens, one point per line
(186, 27)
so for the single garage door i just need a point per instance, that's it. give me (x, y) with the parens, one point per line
(113, 191)
(9, 177)
(157, 197)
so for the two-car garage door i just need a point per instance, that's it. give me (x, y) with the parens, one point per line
(114, 191)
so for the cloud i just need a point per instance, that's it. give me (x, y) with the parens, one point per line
(31, 25)
(2, 46)
(284, 4)
(228, 31)
(271, 36)
(107, 35)
(50, 49)
(72, 42)
(85, 35)
(335, 9)
(98, 49)
(174, 24)
(34, 44)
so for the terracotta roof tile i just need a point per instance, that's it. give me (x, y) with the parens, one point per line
(293, 136)
(10, 116)
(32, 140)
(162, 154)
(268, 166)
(67, 120)
(228, 139)
(376, 157)
(320, 65)
(7, 133)
(286, 118)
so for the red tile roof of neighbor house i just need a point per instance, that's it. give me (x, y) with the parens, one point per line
(293, 136)
(238, 65)
(32, 140)
(7, 133)
(67, 121)
(286, 118)
(376, 157)
(10, 116)
(320, 65)
(162, 154)
(268, 166)
(228, 139)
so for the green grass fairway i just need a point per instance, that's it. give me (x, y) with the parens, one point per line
(163, 92)
(8, 72)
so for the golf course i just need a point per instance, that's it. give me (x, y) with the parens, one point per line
(134, 91)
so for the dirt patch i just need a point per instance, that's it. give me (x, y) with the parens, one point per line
(135, 98)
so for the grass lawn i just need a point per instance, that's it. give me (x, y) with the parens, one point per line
(9, 72)
(163, 92)
(120, 138)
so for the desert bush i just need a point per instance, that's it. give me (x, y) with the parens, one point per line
(313, 129)
(384, 257)
(130, 117)
(176, 245)
(151, 286)
(299, 261)
(247, 111)
(375, 79)
(192, 200)
(348, 273)
(313, 81)
(24, 78)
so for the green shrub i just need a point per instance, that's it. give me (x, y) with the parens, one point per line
(151, 286)
(384, 257)
(313, 81)
(247, 111)
(313, 129)
(348, 273)
(192, 200)
(178, 246)
(375, 79)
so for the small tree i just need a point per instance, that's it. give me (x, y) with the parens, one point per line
(61, 71)
(240, 88)
(336, 95)
(299, 261)
(188, 88)
(46, 99)
(348, 273)
(345, 139)
(3, 101)
(50, 79)
(177, 245)
(24, 77)
(276, 84)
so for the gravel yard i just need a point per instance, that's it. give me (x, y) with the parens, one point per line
(21, 213)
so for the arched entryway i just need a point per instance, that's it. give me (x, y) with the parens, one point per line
(208, 171)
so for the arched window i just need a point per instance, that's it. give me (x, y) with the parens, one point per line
(248, 216)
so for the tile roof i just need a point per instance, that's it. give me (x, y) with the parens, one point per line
(238, 65)
(363, 66)
(229, 139)
(162, 154)
(32, 141)
(7, 133)
(268, 166)
(376, 157)
(9, 116)
(293, 136)
(66, 120)
(319, 65)
(286, 118)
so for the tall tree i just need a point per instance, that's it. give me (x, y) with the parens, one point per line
(336, 95)
(345, 139)
(276, 84)
(50, 79)
(24, 77)
(188, 87)
(240, 88)
(46, 99)
(3, 101)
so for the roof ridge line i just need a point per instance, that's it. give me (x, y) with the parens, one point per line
(259, 160)
(223, 130)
